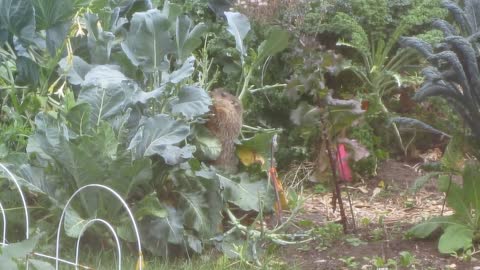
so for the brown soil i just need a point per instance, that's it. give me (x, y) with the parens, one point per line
(384, 210)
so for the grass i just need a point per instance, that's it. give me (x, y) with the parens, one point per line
(209, 261)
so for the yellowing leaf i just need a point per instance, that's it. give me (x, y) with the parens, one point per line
(248, 156)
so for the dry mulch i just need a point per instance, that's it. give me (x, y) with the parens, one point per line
(382, 203)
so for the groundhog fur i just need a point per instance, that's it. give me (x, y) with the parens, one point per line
(225, 123)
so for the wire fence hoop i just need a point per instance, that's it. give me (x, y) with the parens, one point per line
(11, 177)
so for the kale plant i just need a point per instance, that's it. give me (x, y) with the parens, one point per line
(454, 73)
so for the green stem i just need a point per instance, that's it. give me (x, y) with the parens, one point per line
(267, 87)
(395, 128)
(245, 85)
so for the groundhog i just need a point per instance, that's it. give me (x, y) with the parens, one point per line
(225, 124)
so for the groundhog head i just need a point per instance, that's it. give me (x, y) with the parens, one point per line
(224, 102)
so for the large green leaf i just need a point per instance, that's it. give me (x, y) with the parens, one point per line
(20, 249)
(455, 198)
(157, 233)
(126, 175)
(149, 206)
(425, 229)
(471, 185)
(188, 36)
(75, 69)
(78, 119)
(50, 140)
(244, 193)
(28, 71)
(152, 29)
(277, 41)
(155, 133)
(99, 42)
(73, 223)
(209, 147)
(238, 26)
(191, 102)
(105, 91)
(455, 237)
(49, 13)
(184, 72)
(18, 17)
(56, 36)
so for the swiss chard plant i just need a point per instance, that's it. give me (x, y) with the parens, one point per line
(128, 114)
(318, 115)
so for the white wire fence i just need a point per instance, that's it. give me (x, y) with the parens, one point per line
(56, 258)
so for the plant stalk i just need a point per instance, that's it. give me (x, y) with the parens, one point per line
(337, 195)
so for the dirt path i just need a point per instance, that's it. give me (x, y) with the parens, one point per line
(384, 210)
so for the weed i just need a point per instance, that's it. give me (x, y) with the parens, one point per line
(407, 259)
(354, 241)
(328, 234)
(349, 262)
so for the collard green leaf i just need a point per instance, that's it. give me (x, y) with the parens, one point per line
(184, 72)
(191, 102)
(456, 237)
(105, 91)
(158, 233)
(73, 223)
(56, 36)
(40, 265)
(75, 70)
(125, 175)
(155, 133)
(238, 27)
(188, 36)
(8, 263)
(49, 13)
(99, 42)
(209, 147)
(152, 28)
(149, 206)
(244, 193)
(50, 140)
(78, 118)
(20, 249)
(28, 71)
(18, 17)
(174, 155)
(277, 41)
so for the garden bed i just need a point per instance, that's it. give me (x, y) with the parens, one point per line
(381, 220)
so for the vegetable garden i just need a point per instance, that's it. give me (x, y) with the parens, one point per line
(120, 133)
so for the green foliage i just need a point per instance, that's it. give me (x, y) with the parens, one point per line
(442, 79)
(380, 67)
(460, 230)
(12, 257)
(127, 115)
(328, 235)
